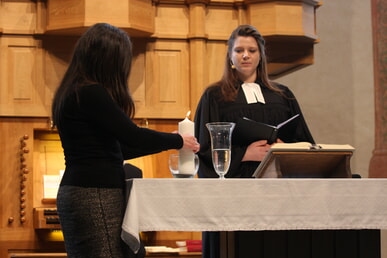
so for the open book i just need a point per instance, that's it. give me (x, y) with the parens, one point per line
(247, 131)
(307, 146)
(306, 160)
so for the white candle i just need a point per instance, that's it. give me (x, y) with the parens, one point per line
(186, 157)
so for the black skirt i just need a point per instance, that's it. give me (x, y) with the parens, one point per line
(91, 220)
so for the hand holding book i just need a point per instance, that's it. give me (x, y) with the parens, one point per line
(256, 151)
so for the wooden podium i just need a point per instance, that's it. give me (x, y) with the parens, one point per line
(303, 160)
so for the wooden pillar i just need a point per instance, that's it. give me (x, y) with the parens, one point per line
(241, 8)
(197, 44)
(378, 164)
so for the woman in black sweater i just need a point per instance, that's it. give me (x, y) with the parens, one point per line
(92, 110)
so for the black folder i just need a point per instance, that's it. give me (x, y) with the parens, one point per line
(247, 131)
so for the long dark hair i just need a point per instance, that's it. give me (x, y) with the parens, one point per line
(102, 55)
(229, 82)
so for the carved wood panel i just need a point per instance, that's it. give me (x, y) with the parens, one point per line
(22, 91)
(165, 93)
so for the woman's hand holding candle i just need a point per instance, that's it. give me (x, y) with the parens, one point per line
(187, 131)
(190, 143)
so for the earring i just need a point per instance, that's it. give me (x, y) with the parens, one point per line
(233, 66)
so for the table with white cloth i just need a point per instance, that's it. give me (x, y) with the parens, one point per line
(254, 205)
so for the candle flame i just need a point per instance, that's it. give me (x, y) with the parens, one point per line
(188, 113)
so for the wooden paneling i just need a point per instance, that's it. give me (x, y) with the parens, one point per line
(289, 31)
(230, 20)
(11, 227)
(172, 21)
(184, 33)
(197, 46)
(75, 16)
(22, 91)
(283, 18)
(166, 82)
(30, 71)
(18, 17)
(141, 16)
(215, 56)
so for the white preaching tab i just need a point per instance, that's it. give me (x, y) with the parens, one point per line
(253, 93)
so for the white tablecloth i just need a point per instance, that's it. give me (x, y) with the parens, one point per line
(253, 204)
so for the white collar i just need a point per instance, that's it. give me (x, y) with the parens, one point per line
(253, 93)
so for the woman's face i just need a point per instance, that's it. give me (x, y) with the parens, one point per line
(245, 56)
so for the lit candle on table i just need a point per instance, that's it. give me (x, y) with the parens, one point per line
(186, 157)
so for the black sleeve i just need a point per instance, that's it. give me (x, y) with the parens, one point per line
(302, 134)
(131, 153)
(99, 108)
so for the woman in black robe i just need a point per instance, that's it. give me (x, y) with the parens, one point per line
(243, 91)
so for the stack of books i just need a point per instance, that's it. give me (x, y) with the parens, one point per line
(189, 245)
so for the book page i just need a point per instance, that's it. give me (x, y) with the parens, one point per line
(309, 146)
(295, 145)
(336, 147)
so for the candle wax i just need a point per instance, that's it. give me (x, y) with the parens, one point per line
(186, 157)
